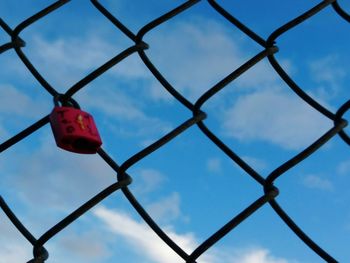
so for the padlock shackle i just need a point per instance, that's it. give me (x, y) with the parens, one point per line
(70, 102)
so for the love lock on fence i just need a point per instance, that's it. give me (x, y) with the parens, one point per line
(74, 130)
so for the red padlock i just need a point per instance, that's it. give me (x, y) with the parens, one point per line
(74, 130)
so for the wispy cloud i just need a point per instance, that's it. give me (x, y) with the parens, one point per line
(56, 179)
(144, 241)
(65, 61)
(328, 73)
(166, 209)
(148, 180)
(317, 182)
(214, 165)
(142, 238)
(11, 252)
(89, 246)
(123, 112)
(46, 184)
(258, 256)
(198, 43)
(113, 103)
(261, 75)
(274, 116)
(16, 103)
(344, 167)
(206, 52)
(18, 109)
(258, 164)
(12, 249)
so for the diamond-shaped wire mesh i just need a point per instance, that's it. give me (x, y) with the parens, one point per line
(269, 47)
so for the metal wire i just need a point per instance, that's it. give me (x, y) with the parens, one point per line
(270, 48)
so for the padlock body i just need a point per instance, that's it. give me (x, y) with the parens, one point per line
(74, 130)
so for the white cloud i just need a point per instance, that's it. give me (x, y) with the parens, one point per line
(13, 248)
(205, 53)
(141, 238)
(65, 179)
(327, 71)
(114, 103)
(214, 165)
(261, 75)
(87, 247)
(198, 43)
(276, 117)
(132, 68)
(158, 92)
(65, 61)
(14, 102)
(119, 107)
(145, 242)
(46, 184)
(344, 168)
(258, 164)
(258, 256)
(18, 109)
(147, 181)
(163, 209)
(12, 252)
(316, 182)
(166, 209)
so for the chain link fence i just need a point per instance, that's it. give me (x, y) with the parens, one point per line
(124, 179)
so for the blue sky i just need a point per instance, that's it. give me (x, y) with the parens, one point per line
(257, 116)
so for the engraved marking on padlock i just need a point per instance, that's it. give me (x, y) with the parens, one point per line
(80, 121)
